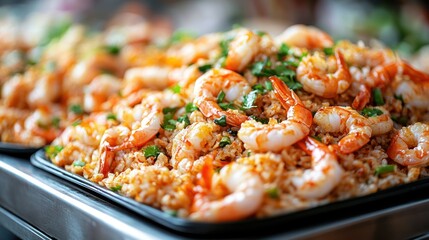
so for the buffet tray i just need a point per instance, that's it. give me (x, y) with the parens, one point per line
(394, 196)
(17, 149)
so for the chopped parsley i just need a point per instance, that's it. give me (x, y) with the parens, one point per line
(268, 86)
(77, 122)
(283, 51)
(190, 107)
(169, 123)
(111, 116)
(377, 97)
(56, 122)
(249, 100)
(402, 120)
(151, 151)
(262, 69)
(184, 119)
(224, 141)
(371, 112)
(261, 120)
(221, 121)
(328, 51)
(79, 163)
(76, 109)
(56, 31)
(273, 193)
(116, 188)
(181, 36)
(53, 150)
(384, 169)
(112, 49)
(204, 68)
(220, 96)
(226, 106)
(176, 89)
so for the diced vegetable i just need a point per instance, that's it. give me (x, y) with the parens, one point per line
(377, 96)
(371, 112)
(224, 141)
(221, 121)
(151, 151)
(384, 169)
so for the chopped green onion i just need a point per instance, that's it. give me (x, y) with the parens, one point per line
(190, 107)
(226, 106)
(181, 36)
(268, 86)
(292, 84)
(151, 151)
(220, 97)
(79, 163)
(172, 213)
(112, 49)
(56, 122)
(259, 88)
(117, 188)
(168, 110)
(53, 150)
(273, 193)
(291, 63)
(56, 31)
(224, 141)
(378, 97)
(77, 122)
(317, 138)
(261, 120)
(170, 125)
(111, 116)
(328, 51)
(384, 169)
(260, 33)
(221, 121)
(371, 112)
(402, 120)
(176, 89)
(204, 68)
(76, 109)
(224, 47)
(399, 97)
(185, 120)
(283, 51)
(249, 100)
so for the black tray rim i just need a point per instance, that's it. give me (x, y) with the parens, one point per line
(15, 148)
(248, 226)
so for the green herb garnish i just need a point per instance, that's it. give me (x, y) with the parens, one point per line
(402, 120)
(399, 97)
(377, 97)
(371, 112)
(328, 51)
(249, 100)
(224, 141)
(56, 122)
(176, 89)
(221, 121)
(184, 119)
(220, 97)
(77, 122)
(317, 138)
(268, 86)
(79, 163)
(151, 151)
(76, 109)
(226, 106)
(204, 68)
(181, 36)
(56, 31)
(261, 120)
(112, 49)
(53, 150)
(283, 51)
(111, 116)
(190, 107)
(273, 193)
(384, 169)
(117, 188)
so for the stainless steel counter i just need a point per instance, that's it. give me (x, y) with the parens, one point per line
(37, 205)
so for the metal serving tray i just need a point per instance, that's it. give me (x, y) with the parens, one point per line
(394, 196)
(17, 149)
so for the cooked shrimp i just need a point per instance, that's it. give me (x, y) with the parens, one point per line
(313, 73)
(410, 146)
(276, 136)
(201, 48)
(190, 142)
(99, 90)
(345, 119)
(381, 124)
(325, 174)
(305, 37)
(242, 50)
(207, 88)
(112, 137)
(40, 124)
(46, 90)
(15, 90)
(362, 56)
(246, 195)
(152, 77)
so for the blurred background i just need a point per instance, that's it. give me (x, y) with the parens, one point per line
(402, 25)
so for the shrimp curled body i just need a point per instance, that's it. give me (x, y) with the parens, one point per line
(276, 136)
(410, 146)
